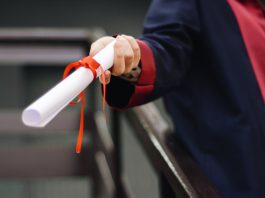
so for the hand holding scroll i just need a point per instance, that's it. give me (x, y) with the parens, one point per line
(126, 54)
(121, 55)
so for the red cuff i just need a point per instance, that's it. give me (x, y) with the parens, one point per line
(145, 84)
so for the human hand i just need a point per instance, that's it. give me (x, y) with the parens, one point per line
(126, 54)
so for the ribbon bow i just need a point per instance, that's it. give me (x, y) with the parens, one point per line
(89, 63)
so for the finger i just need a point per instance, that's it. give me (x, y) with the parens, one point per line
(119, 62)
(107, 77)
(129, 57)
(100, 44)
(136, 50)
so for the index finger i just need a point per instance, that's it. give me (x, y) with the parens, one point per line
(100, 44)
(136, 49)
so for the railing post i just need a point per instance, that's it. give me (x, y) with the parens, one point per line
(116, 134)
(165, 190)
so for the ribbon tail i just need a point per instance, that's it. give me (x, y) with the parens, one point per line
(81, 127)
(104, 91)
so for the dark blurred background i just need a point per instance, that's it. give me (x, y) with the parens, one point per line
(115, 16)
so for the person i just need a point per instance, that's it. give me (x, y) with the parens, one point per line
(207, 60)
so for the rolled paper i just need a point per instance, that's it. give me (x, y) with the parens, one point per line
(44, 109)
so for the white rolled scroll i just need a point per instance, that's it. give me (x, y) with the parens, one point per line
(43, 110)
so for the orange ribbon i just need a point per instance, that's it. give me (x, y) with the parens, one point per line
(93, 65)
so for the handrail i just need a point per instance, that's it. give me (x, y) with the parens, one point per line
(166, 155)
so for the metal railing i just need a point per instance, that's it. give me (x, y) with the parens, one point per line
(169, 159)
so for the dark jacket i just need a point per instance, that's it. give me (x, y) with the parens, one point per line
(194, 56)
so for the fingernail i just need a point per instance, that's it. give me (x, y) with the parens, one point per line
(108, 80)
